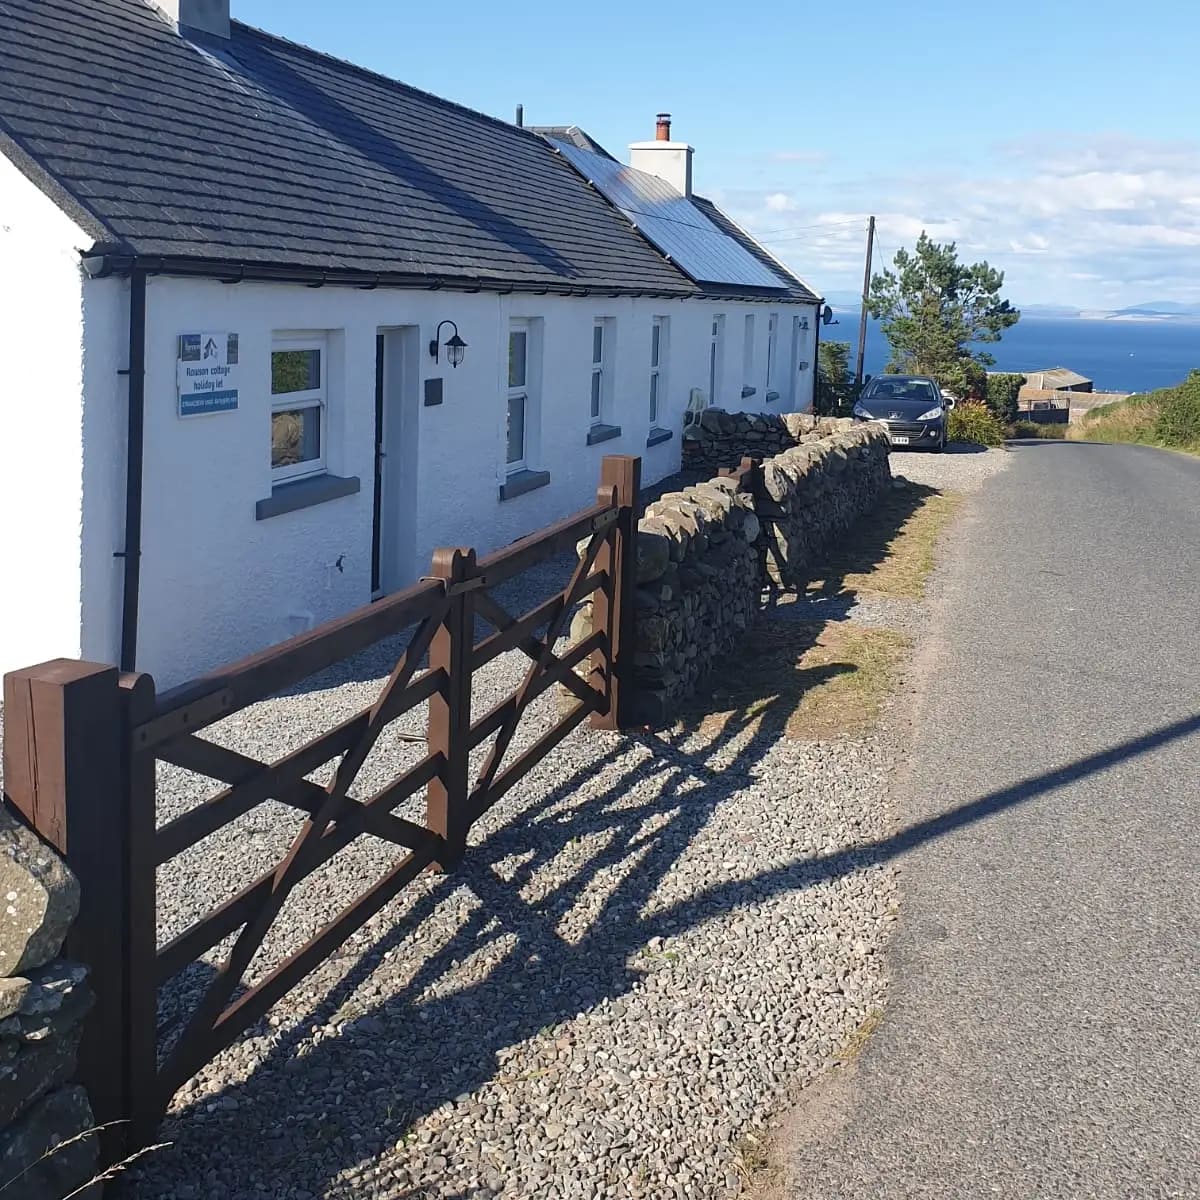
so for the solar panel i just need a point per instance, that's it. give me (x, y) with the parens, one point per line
(671, 222)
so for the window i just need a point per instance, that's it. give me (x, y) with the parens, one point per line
(658, 368)
(716, 356)
(602, 339)
(298, 399)
(748, 354)
(518, 395)
(772, 348)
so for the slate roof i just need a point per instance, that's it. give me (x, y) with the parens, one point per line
(1056, 378)
(257, 150)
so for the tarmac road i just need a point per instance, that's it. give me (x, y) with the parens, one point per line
(1043, 1033)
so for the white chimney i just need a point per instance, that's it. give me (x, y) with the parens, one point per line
(208, 16)
(670, 161)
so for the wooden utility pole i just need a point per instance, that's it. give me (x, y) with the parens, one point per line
(862, 325)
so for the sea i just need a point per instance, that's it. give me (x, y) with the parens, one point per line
(1119, 355)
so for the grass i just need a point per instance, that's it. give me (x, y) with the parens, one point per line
(1131, 420)
(853, 1046)
(892, 553)
(809, 680)
(818, 680)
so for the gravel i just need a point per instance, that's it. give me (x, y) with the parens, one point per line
(654, 940)
(959, 468)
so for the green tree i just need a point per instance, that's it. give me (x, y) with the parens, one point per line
(833, 376)
(932, 308)
(833, 361)
(1003, 391)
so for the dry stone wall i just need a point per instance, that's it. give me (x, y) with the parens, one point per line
(707, 552)
(43, 1001)
(721, 439)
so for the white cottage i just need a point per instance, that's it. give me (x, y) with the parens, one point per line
(276, 327)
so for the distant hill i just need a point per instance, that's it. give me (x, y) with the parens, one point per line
(1160, 308)
(1047, 310)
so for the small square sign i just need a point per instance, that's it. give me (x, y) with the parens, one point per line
(207, 373)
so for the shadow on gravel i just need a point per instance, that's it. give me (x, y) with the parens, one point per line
(298, 1122)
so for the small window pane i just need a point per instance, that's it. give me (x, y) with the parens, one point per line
(516, 429)
(598, 343)
(517, 344)
(655, 344)
(597, 383)
(653, 399)
(295, 371)
(295, 436)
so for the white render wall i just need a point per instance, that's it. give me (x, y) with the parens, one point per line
(41, 446)
(217, 583)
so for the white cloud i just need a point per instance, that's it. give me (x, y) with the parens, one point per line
(1072, 220)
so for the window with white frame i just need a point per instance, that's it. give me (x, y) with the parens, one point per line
(518, 396)
(748, 353)
(298, 406)
(658, 367)
(602, 348)
(772, 350)
(716, 356)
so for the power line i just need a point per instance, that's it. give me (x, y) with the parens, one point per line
(816, 225)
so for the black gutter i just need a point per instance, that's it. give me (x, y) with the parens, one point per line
(132, 554)
(101, 263)
(816, 364)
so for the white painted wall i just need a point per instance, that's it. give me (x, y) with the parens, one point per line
(41, 446)
(217, 583)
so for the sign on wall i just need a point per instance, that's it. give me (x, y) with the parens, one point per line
(207, 373)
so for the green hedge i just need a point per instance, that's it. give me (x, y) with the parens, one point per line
(1002, 393)
(974, 422)
(1035, 429)
(1178, 422)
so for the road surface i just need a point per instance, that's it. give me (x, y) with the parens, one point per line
(1043, 1033)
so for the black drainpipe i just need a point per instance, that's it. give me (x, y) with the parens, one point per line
(132, 554)
(816, 365)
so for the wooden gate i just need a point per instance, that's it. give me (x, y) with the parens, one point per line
(82, 744)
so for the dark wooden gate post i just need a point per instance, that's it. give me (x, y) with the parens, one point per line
(64, 729)
(613, 610)
(450, 708)
(138, 769)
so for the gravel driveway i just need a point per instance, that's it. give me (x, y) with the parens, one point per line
(959, 468)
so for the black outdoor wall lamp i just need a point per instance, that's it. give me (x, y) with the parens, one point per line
(455, 346)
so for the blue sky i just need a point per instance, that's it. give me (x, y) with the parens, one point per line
(1057, 139)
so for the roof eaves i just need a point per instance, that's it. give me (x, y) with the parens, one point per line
(104, 261)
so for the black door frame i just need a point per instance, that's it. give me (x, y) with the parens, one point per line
(380, 455)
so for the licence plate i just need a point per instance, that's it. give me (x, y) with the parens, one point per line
(897, 440)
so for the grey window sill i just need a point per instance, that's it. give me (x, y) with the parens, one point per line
(304, 493)
(602, 433)
(772, 397)
(748, 391)
(520, 482)
(658, 436)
